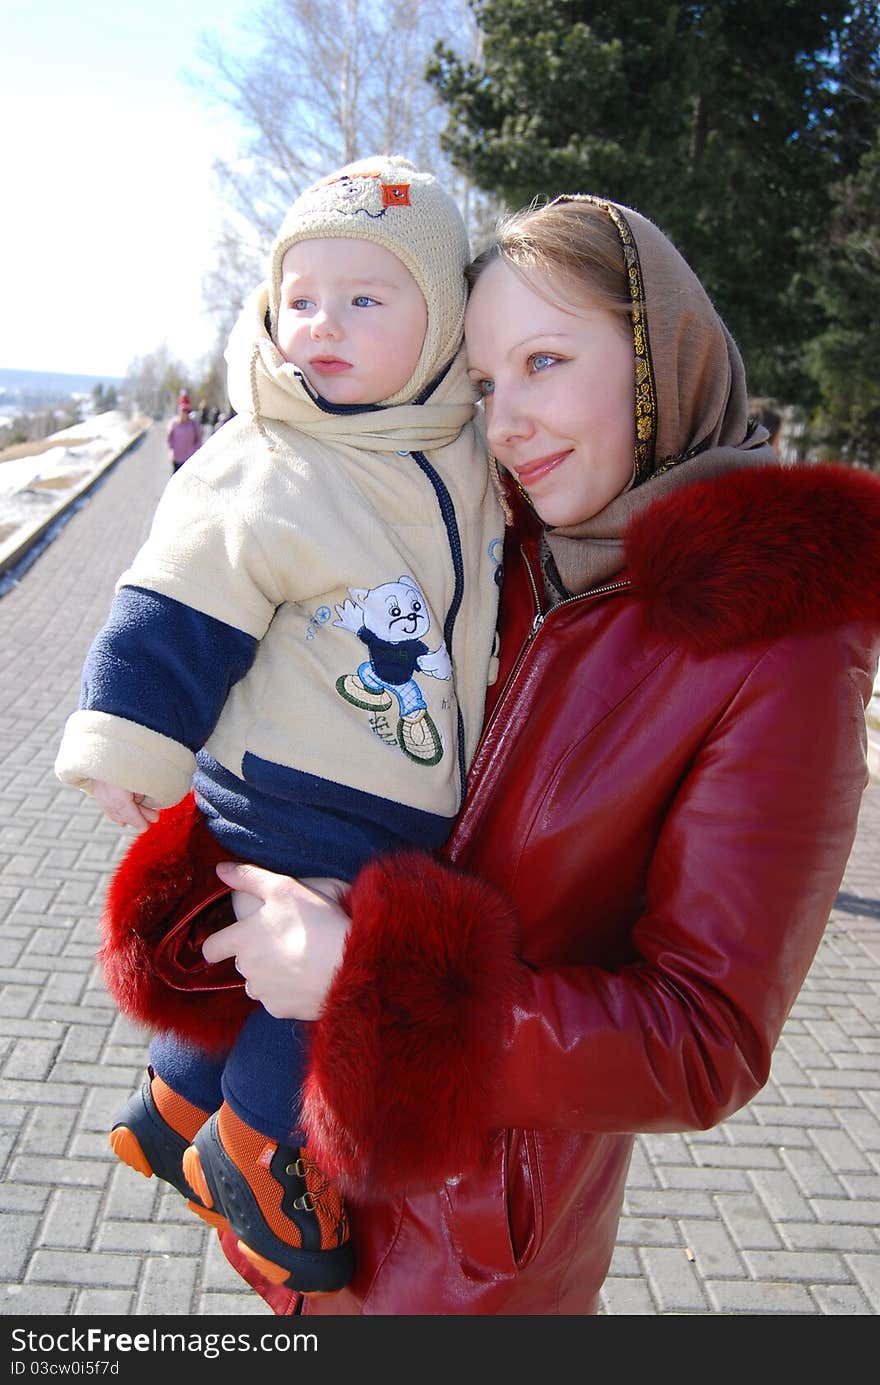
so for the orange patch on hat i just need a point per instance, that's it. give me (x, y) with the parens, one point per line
(395, 195)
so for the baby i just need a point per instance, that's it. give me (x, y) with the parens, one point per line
(298, 659)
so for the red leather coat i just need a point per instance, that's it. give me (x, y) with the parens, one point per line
(667, 790)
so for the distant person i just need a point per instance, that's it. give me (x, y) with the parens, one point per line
(184, 433)
(306, 641)
(765, 413)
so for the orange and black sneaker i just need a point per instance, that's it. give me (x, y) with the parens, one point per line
(152, 1132)
(290, 1220)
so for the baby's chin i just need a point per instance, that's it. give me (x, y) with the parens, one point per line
(337, 389)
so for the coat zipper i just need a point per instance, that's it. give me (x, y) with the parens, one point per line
(541, 617)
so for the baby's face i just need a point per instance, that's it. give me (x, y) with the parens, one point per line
(352, 318)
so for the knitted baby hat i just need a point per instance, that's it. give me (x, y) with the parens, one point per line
(388, 200)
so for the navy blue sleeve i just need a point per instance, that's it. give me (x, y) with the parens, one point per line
(163, 665)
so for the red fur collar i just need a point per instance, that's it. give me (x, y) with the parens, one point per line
(757, 554)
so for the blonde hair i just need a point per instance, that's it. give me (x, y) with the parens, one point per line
(573, 242)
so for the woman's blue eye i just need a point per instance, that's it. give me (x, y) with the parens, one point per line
(486, 387)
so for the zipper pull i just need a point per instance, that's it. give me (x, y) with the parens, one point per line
(536, 625)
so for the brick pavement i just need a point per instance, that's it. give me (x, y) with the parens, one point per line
(777, 1211)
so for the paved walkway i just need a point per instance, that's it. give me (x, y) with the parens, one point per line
(777, 1211)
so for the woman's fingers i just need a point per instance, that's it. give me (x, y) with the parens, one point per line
(222, 944)
(250, 879)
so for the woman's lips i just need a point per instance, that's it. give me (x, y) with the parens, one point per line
(329, 365)
(530, 472)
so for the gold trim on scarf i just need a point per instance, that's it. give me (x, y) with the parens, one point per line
(645, 387)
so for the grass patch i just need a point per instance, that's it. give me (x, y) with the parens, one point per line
(39, 446)
(54, 483)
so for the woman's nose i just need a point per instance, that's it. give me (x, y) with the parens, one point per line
(505, 422)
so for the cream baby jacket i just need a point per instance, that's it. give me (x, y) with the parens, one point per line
(304, 527)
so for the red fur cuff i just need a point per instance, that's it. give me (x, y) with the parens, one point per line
(411, 1036)
(163, 900)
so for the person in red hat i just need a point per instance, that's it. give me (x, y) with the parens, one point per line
(184, 433)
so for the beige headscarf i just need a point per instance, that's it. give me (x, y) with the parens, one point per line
(692, 419)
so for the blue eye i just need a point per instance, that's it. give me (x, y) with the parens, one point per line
(300, 305)
(363, 300)
(486, 387)
(541, 360)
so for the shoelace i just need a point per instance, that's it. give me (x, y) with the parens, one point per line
(312, 1199)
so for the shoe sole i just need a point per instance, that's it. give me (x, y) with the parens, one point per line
(429, 750)
(363, 697)
(224, 1191)
(145, 1142)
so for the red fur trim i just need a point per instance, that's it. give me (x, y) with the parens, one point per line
(168, 870)
(758, 554)
(407, 1047)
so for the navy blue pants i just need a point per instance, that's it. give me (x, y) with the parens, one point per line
(260, 1077)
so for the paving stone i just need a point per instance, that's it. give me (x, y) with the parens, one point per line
(668, 1203)
(805, 1266)
(48, 1131)
(860, 1186)
(83, 1267)
(726, 1180)
(168, 1287)
(34, 1300)
(866, 1269)
(841, 1299)
(628, 1297)
(744, 1296)
(104, 1303)
(71, 1219)
(822, 1236)
(715, 1254)
(163, 1238)
(740, 1157)
(748, 1221)
(673, 1280)
(19, 1229)
(625, 1262)
(855, 1213)
(647, 1231)
(840, 1151)
(780, 1195)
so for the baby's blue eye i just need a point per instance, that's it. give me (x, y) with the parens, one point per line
(299, 305)
(363, 300)
(541, 360)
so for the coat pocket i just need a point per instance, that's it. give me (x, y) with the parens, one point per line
(495, 1216)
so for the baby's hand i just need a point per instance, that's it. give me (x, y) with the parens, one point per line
(123, 807)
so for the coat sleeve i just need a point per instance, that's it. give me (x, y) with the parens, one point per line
(741, 883)
(153, 685)
(183, 628)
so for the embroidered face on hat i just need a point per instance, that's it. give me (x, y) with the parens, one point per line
(386, 199)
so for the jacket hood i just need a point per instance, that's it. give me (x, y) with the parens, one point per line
(260, 383)
(759, 554)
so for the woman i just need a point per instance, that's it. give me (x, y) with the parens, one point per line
(662, 804)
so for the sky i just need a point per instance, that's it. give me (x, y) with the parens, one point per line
(108, 210)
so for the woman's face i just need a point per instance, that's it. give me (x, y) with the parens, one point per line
(559, 393)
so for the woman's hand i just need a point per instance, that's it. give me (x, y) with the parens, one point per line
(288, 948)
